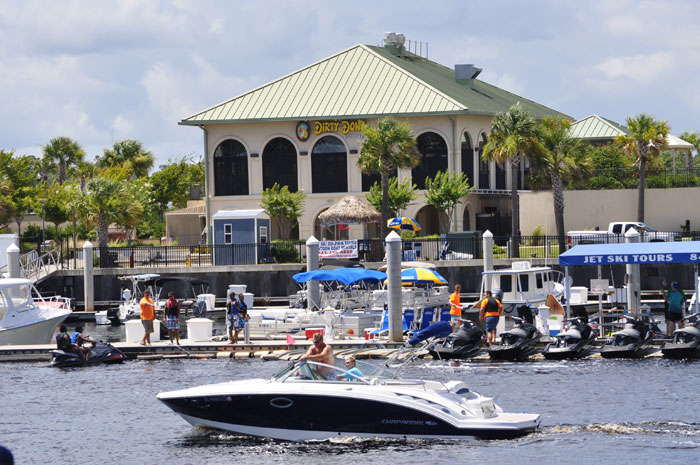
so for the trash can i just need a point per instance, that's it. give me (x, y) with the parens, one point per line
(199, 329)
(134, 331)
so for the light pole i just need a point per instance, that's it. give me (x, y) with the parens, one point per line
(43, 238)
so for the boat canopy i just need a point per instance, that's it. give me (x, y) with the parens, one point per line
(633, 253)
(343, 275)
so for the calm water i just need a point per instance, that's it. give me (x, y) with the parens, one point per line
(593, 411)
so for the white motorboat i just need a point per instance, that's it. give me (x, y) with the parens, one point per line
(314, 401)
(25, 319)
(526, 288)
(129, 300)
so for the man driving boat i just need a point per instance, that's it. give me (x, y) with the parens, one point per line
(320, 352)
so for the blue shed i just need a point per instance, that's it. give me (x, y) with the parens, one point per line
(241, 237)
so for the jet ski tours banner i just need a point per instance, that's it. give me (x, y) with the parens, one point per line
(337, 249)
(632, 253)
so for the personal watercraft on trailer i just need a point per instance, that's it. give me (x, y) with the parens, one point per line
(311, 401)
(686, 341)
(634, 341)
(575, 342)
(517, 343)
(102, 352)
(466, 342)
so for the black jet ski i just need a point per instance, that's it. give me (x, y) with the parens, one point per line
(466, 342)
(102, 352)
(576, 342)
(517, 343)
(686, 341)
(634, 341)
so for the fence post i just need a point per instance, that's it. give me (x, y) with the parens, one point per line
(14, 268)
(88, 284)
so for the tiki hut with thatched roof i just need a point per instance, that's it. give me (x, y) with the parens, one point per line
(350, 210)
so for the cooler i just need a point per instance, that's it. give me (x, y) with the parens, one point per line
(199, 329)
(135, 332)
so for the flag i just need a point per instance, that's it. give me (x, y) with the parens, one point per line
(290, 340)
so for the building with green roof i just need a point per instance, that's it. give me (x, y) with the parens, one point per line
(303, 130)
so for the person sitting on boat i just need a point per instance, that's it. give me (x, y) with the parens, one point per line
(79, 339)
(491, 310)
(233, 316)
(353, 372)
(63, 342)
(320, 352)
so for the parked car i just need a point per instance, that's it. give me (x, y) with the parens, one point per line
(616, 234)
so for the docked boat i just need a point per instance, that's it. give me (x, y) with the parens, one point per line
(25, 316)
(633, 341)
(686, 340)
(314, 401)
(517, 343)
(574, 343)
(129, 300)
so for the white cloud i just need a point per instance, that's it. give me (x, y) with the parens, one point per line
(639, 67)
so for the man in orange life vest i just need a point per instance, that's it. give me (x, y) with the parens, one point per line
(491, 310)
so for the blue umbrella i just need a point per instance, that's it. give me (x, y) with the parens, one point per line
(403, 222)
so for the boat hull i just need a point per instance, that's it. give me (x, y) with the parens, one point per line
(39, 332)
(632, 351)
(511, 352)
(680, 350)
(308, 417)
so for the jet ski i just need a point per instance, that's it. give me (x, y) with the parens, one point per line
(686, 341)
(517, 343)
(466, 342)
(634, 341)
(101, 352)
(576, 342)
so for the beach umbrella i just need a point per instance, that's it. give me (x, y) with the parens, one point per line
(411, 276)
(403, 222)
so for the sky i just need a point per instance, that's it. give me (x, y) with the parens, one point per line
(103, 71)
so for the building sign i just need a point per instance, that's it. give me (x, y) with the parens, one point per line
(343, 127)
(303, 131)
(337, 249)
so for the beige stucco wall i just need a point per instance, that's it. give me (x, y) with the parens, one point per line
(665, 209)
(254, 137)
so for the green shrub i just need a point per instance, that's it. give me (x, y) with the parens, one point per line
(285, 251)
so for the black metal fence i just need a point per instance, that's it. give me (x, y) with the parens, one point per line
(369, 250)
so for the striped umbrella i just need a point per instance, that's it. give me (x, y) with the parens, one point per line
(411, 276)
(403, 222)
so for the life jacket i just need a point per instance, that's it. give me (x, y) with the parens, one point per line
(491, 307)
(171, 308)
(63, 341)
(74, 338)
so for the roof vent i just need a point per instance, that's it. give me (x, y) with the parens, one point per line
(466, 72)
(392, 38)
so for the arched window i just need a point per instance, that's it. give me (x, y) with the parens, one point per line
(434, 158)
(329, 166)
(230, 169)
(468, 158)
(279, 164)
(483, 165)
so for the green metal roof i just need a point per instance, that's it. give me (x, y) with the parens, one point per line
(596, 127)
(366, 81)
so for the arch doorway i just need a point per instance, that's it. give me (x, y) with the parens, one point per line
(429, 219)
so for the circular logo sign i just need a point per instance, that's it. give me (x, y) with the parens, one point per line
(302, 131)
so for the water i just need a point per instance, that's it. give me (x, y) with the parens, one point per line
(593, 411)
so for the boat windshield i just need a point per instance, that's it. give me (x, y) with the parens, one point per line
(20, 296)
(314, 371)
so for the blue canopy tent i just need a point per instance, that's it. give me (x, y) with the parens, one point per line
(631, 253)
(343, 275)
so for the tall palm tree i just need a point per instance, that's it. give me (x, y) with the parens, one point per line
(387, 146)
(692, 138)
(65, 153)
(513, 138)
(101, 205)
(647, 137)
(131, 152)
(564, 160)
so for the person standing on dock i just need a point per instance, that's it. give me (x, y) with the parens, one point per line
(148, 314)
(491, 311)
(233, 317)
(675, 299)
(455, 307)
(171, 317)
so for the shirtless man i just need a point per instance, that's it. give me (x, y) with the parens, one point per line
(320, 352)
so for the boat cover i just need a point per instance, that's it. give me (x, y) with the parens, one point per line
(439, 329)
(343, 275)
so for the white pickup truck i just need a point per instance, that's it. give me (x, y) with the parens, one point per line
(616, 234)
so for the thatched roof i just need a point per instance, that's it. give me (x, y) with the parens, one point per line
(350, 210)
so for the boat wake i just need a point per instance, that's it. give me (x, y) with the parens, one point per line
(645, 428)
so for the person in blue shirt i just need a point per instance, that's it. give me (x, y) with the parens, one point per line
(79, 339)
(352, 369)
(675, 299)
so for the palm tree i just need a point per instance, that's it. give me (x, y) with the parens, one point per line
(692, 138)
(513, 138)
(101, 205)
(65, 153)
(647, 137)
(564, 160)
(131, 152)
(387, 146)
